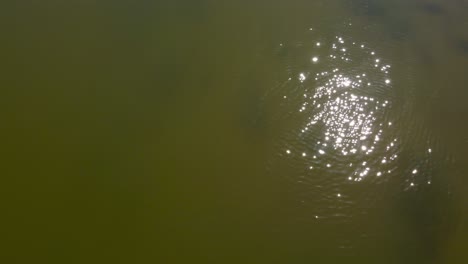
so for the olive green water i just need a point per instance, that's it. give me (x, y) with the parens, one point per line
(197, 131)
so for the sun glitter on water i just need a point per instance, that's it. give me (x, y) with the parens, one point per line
(345, 108)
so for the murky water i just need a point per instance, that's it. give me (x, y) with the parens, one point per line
(235, 132)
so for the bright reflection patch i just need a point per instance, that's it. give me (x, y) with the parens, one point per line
(349, 119)
(348, 124)
(345, 100)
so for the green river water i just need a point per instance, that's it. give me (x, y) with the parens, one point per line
(203, 131)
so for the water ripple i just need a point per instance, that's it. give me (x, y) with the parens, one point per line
(348, 134)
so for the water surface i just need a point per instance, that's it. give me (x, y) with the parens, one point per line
(235, 132)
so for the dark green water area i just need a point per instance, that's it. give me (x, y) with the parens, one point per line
(203, 131)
